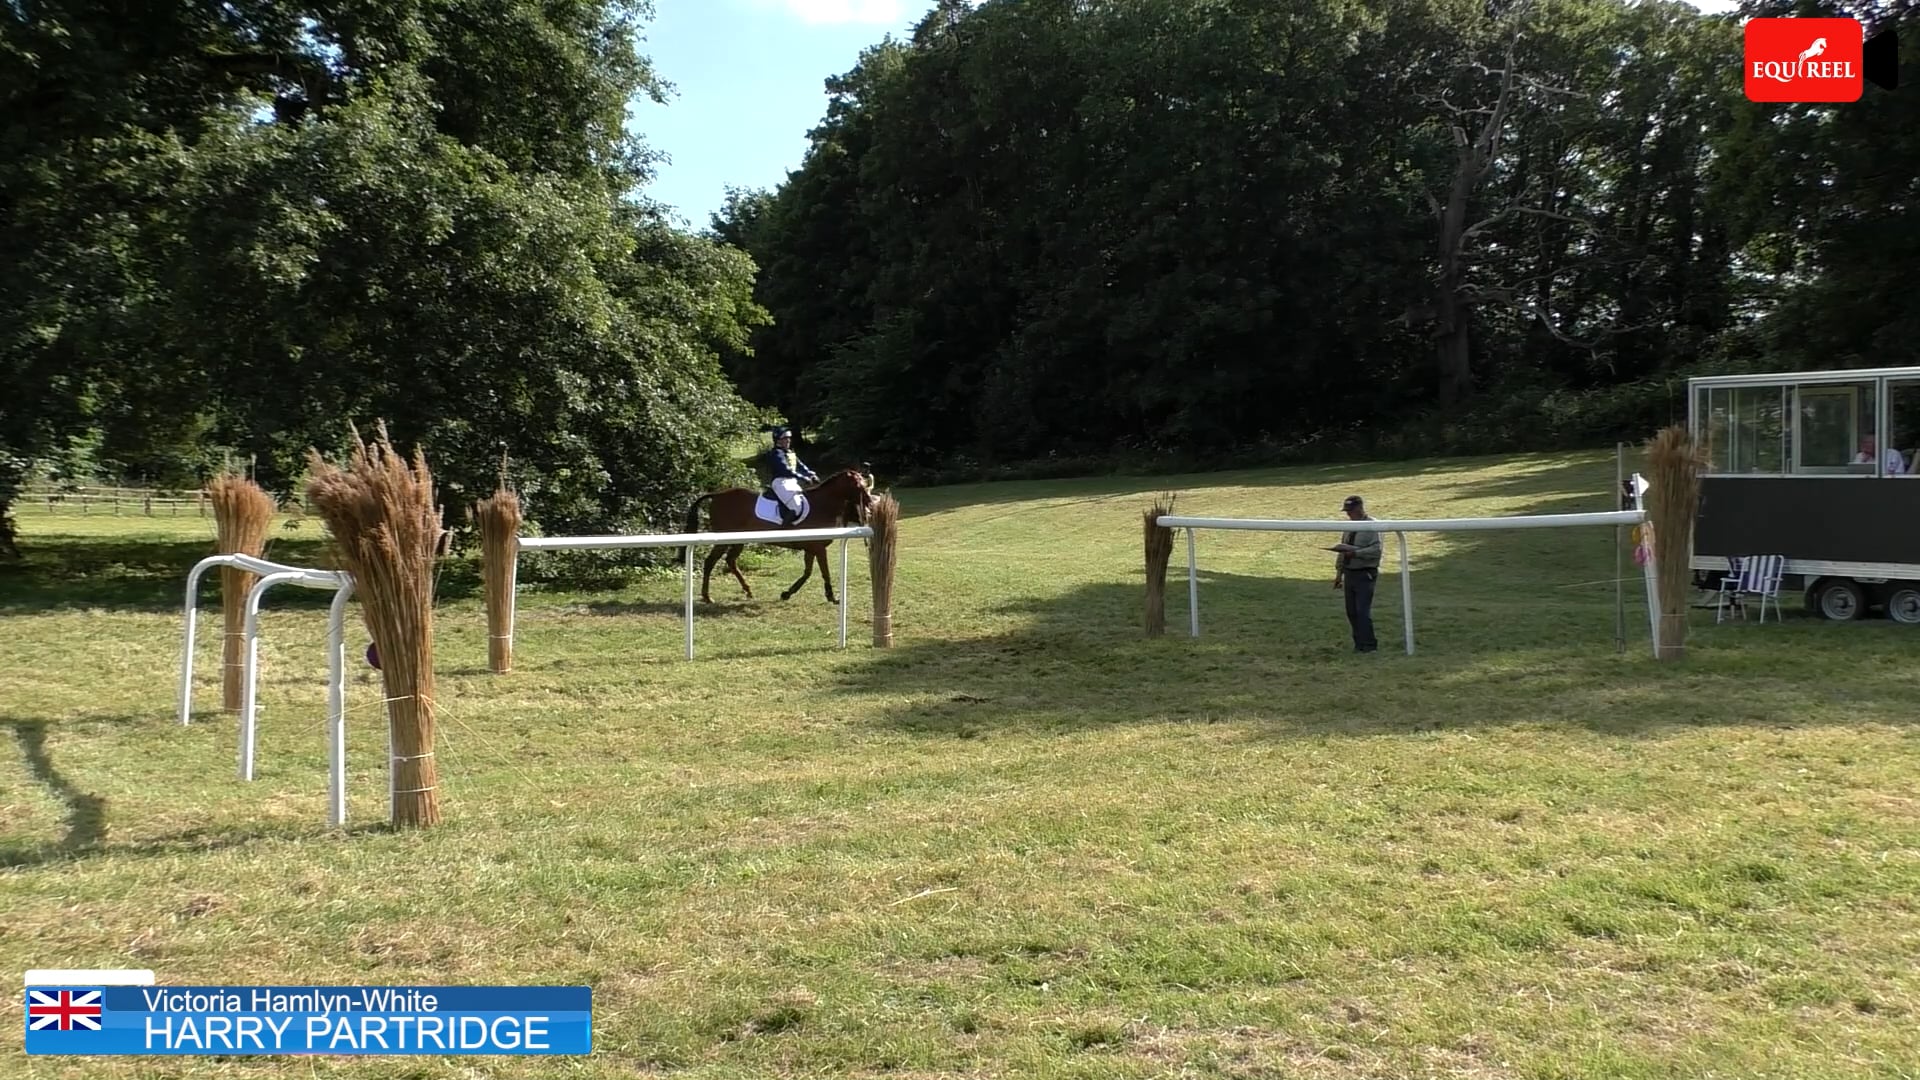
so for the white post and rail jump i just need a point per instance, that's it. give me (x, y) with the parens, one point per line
(271, 574)
(1399, 529)
(689, 541)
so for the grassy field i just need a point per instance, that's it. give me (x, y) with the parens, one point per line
(1027, 841)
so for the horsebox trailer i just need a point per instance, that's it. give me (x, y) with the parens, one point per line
(1819, 467)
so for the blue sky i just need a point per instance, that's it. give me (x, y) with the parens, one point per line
(749, 82)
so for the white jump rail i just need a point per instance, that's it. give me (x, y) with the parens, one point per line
(688, 541)
(1399, 529)
(271, 574)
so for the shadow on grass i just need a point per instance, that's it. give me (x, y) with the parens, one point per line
(856, 637)
(68, 572)
(1274, 656)
(193, 841)
(86, 814)
(722, 609)
(1502, 638)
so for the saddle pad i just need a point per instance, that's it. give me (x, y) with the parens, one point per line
(768, 510)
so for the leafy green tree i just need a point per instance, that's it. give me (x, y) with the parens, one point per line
(1822, 207)
(1193, 225)
(253, 226)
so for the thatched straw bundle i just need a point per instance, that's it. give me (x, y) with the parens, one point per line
(387, 529)
(499, 518)
(883, 517)
(1673, 497)
(242, 515)
(1159, 551)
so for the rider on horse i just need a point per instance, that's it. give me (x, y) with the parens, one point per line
(788, 471)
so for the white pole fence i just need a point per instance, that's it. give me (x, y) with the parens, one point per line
(1640, 487)
(1399, 529)
(688, 541)
(271, 574)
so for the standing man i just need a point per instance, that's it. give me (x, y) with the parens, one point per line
(1358, 569)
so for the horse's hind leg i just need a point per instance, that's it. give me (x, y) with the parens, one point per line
(788, 595)
(733, 565)
(706, 575)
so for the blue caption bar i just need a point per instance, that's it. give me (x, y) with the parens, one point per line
(309, 1020)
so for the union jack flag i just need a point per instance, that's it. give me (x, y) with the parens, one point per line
(63, 1010)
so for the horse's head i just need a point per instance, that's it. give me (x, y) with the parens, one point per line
(849, 490)
(861, 501)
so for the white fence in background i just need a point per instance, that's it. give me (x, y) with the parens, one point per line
(1400, 529)
(688, 541)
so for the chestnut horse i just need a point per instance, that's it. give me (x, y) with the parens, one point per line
(842, 497)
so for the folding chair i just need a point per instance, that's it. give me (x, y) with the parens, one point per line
(1757, 575)
(1720, 589)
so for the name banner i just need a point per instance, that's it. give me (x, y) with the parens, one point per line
(309, 1020)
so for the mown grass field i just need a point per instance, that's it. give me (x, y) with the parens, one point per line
(1027, 841)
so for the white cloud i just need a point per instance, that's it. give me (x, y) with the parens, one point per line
(887, 12)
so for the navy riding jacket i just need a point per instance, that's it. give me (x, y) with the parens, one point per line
(787, 465)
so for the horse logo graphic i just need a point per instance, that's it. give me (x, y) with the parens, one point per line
(1794, 59)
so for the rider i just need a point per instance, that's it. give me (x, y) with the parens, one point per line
(788, 471)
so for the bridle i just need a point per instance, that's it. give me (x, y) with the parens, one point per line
(862, 500)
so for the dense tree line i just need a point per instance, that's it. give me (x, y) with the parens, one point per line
(1190, 227)
(244, 225)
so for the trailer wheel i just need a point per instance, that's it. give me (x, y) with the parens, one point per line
(1903, 605)
(1839, 599)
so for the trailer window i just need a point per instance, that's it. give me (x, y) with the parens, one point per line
(1744, 429)
(1713, 417)
(1901, 441)
(1830, 424)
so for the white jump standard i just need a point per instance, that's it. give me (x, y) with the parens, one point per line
(1399, 529)
(690, 541)
(271, 574)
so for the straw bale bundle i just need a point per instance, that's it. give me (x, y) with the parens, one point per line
(499, 518)
(1159, 551)
(242, 516)
(883, 516)
(1673, 498)
(387, 530)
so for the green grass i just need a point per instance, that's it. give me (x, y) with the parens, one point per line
(1027, 841)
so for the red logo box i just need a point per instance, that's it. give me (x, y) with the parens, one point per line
(1803, 60)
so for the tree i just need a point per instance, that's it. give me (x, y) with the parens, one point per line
(295, 216)
(1824, 214)
(1191, 226)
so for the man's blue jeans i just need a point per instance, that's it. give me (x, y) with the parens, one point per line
(1360, 609)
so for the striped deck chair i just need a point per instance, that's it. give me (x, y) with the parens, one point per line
(1753, 575)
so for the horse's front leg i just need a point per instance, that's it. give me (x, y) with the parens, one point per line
(788, 595)
(826, 575)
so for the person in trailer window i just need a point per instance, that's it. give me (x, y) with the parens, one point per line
(1895, 462)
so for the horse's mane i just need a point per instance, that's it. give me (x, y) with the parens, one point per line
(852, 470)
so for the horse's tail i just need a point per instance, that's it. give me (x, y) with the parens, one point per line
(693, 512)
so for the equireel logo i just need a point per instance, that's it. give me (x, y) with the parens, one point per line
(1816, 60)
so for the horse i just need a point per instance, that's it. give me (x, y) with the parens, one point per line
(845, 495)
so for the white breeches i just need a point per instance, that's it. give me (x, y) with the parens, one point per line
(787, 490)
